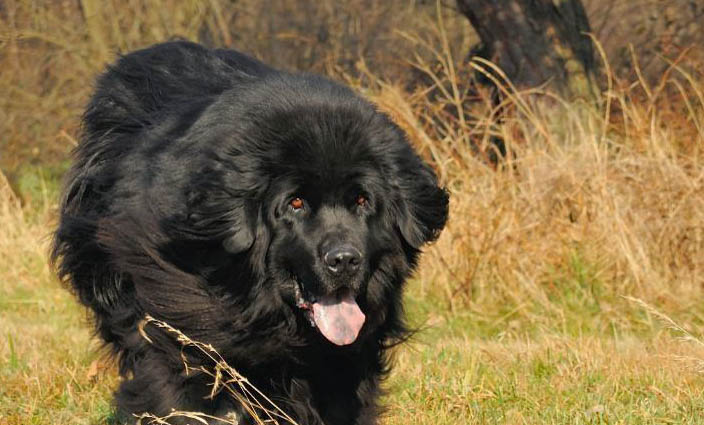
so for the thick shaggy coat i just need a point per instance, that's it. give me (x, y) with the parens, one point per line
(273, 215)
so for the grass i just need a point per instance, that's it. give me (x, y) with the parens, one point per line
(567, 288)
(46, 349)
(547, 380)
(463, 366)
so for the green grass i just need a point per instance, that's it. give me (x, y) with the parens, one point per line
(550, 379)
(46, 352)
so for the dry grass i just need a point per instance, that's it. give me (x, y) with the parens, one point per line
(599, 203)
(224, 378)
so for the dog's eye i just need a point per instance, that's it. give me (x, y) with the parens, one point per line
(362, 201)
(296, 203)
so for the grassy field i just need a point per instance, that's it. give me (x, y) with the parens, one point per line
(567, 288)
(586, 359)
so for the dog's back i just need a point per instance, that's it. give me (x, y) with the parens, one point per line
(140, 88)
(156, 91)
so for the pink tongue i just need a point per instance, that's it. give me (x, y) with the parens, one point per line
(338, 317)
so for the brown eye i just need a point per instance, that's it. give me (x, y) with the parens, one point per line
(296, 203)
(361, 200)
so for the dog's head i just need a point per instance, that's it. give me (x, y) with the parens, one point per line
(333, 203)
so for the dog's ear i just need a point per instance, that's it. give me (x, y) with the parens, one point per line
(240, 236)
(240, 241)
(214, 213)
(423, 205)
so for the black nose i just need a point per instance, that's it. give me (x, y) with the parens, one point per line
(343, 259)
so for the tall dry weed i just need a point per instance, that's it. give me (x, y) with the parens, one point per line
(609, 199)
(24, 240)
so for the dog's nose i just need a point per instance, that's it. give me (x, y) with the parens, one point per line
(343, 259)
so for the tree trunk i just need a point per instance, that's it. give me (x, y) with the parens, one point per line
(536, 42)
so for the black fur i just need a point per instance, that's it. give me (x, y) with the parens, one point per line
(178, 205)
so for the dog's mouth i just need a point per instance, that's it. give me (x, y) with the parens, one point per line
(336, 315)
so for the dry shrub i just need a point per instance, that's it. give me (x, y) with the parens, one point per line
(607, 201)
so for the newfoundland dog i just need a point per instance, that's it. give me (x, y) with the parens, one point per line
(272, 215)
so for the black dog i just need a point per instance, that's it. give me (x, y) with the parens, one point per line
(270, 214)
